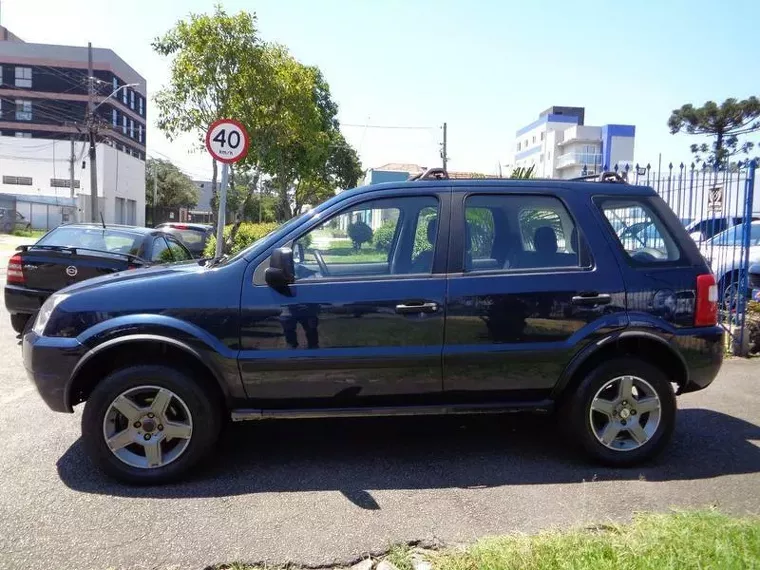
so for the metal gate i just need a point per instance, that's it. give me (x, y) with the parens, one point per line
(721, 211)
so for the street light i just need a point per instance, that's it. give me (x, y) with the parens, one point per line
(115, 91)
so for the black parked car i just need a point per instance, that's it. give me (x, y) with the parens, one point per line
(477, 296)
(194, 236)
(75, 252)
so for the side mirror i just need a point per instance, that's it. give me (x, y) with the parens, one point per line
(281, 271)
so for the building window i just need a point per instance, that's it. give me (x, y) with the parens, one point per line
(63, 183)
(115, 117)
(131, 128)
(24, 77)
(18, 180)
(542, 135)
(21, 135)
(541, 158)
(139, 133)
(124, 95)
(518, 147)
(23, 110)
(534, 139)
(526, 143)
(132, 99)
(140, 101)
(115, 87)
(124, 124)
(549, 157)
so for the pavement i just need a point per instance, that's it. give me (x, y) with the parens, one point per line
(318, 492)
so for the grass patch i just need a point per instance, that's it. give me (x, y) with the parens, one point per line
(675, 541)
(681, 540)
(23, 232)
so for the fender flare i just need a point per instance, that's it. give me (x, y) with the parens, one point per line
(127, 339)
(590, 351)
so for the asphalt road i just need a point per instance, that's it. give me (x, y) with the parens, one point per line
(317, 492)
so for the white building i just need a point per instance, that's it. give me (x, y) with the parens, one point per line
(560, 145)
(37, 170)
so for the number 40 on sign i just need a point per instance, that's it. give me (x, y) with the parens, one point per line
(227, 141)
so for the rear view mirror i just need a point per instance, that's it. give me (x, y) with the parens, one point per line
(281, 271)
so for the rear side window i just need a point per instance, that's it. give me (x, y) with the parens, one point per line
(513, 232)
(641, 233)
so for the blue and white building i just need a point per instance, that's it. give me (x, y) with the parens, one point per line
(560, 145)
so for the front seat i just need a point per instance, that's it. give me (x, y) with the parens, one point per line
(545, 242)
(423, 263)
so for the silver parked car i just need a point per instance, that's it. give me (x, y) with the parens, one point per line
(724, 253)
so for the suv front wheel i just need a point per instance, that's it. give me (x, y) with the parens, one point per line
(149, 424)
(623, 412)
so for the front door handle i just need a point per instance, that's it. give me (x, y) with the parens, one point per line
(587, 299)
(416, 307)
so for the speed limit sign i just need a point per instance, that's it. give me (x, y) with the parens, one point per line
(227, 140)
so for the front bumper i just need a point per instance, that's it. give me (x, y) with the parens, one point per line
(22, 300)
(50, 363)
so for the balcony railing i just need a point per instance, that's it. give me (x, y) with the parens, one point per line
(591, 160)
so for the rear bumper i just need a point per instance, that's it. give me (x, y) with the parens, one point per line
(23, 300)
(703, 351)
(49, 363)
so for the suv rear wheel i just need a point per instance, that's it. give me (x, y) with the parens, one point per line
(149, 424)
(623, 412)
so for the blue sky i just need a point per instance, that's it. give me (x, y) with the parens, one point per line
(486, 68)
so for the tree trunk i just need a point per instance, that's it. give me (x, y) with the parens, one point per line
(719, 149)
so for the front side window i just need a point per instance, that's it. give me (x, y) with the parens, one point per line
(160, 252)
(521, 232)
(383, 237)
(23, 110)
(24, 77)
(641, 233)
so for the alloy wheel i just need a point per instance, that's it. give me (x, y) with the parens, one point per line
(147, 427)
(625, 413)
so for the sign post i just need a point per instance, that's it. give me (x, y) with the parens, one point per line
(227, 141)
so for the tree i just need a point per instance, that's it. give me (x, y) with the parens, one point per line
(523, 173)
(727, 123)
(359, 232)
(174, 188)
(216, 59)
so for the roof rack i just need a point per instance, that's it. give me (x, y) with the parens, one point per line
(431, 174)
(606, 176)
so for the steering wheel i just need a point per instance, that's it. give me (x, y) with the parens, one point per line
(321, 262)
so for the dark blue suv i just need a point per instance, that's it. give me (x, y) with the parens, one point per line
(424, 297)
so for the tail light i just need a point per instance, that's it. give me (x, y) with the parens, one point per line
(706, 309)
(15, 272)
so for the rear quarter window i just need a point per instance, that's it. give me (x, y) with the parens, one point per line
(640, 232)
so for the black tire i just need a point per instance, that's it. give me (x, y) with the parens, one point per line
(204, 406)
(19, 322)
(576, 412)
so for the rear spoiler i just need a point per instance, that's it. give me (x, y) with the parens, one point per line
(76, 250)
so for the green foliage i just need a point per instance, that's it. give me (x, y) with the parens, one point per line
(726, 123)
(359, 233)
(174, 188)
(246, 235)
(383, 238)
(523, 173)
(421, 242)
(28, 232)
(481, 225)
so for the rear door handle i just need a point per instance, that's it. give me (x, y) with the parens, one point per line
(416, 307)
(587, 299)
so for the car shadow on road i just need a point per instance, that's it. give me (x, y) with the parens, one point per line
(361, 455)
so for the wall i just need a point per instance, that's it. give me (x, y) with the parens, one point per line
(119, 174)
(379, 176)
(621, 151)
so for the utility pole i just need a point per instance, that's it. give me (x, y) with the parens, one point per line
(155, 191)
(444, 156)
(91, 130)
(72, 160)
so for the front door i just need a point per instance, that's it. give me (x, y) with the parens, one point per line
(531, 284)
(363, 323)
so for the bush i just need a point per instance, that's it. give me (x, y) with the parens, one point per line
(359, 233)
(421, 242)
(246, 235)
(383, 238)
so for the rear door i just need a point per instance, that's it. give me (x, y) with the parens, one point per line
(533, 282)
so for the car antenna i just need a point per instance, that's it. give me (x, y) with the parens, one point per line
(102, 221)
